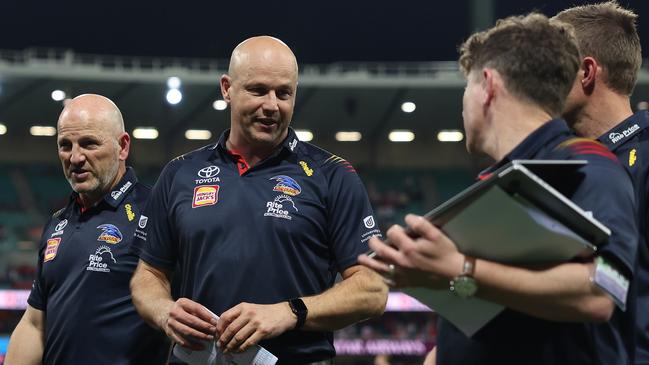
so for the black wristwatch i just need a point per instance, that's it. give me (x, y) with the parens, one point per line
(300, 310)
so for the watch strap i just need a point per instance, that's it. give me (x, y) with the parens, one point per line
(300, 310)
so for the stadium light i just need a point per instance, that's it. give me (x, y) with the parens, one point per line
(174, 96)
(304, 134)
(348, 136)
(3, 129)
(145, 133)
(58, 95)
(408, 107)
(42, 131)
(450, 135)
(198, 134)
(220, 104)
(173, 82)
(401, 135)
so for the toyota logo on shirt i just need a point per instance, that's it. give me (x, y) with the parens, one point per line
(208, 171)
(208, 175)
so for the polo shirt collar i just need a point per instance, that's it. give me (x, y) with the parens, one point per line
(290, 143)
(121, 190)
(532, 144)
(624, 131)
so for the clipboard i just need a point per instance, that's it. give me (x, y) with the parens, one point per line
(525, 181)
(514, 217)
(528, 188)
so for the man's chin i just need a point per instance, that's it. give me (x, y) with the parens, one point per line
(267, 139)
(84, 188)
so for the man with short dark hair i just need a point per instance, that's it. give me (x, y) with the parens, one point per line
(518, 75)
(80, 309)
(258, 225)
(599, 106)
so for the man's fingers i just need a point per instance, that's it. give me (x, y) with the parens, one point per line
(405, 248)
(231, 330)
(385, 253)
(197, 310)
(227, 317)
(251, 341)
(241, 337)
(184, 342)
(188, 332)
(205, 329)
(376, 265)
(422, 227)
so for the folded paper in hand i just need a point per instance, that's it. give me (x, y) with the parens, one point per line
(212, 355)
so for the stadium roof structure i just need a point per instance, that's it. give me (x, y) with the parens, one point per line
(366, 98)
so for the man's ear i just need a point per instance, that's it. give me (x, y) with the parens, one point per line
(589, 71)
(490, 85)
(226, 84)
(124, 141)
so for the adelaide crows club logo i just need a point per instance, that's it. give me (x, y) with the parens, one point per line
(109, 234)
(286, 185)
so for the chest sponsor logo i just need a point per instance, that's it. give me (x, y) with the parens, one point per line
(205, 195)
(129, 212)
(632, 157)
(51, 249)
(61, 225)
(286, 185)
(208, 175)
(280, 207)
(616, 137)
(143, 221)
(101, 259)
(305, 167)
(109, 234)
(369, 222)
(117, 193)
(58, 230)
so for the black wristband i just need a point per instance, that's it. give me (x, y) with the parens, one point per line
(300, 310)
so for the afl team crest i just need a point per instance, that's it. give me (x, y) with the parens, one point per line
(109, 234)
(286, 185)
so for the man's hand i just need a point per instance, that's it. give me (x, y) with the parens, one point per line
(429, 260)
(246, 324)
(188, 322)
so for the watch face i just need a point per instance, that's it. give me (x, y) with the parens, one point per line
(464, 286)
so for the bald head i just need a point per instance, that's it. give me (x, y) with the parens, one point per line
(93, 146)
(263, 50)
(95, 110)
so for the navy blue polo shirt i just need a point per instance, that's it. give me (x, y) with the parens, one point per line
(629, 140)
(278, 230)
(515, 338)
(85, 264)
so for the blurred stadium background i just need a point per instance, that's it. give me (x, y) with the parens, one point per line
(379, 86)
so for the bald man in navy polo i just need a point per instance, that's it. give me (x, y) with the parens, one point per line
(80, 309)
(256, 227)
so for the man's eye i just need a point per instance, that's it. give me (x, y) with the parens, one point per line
(284, 94)
(258, 91)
